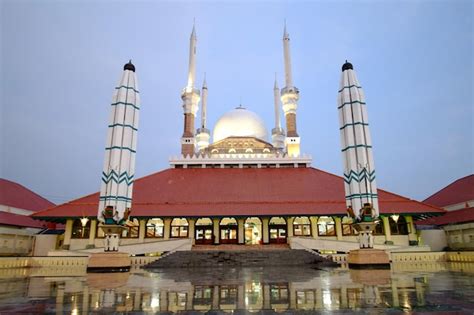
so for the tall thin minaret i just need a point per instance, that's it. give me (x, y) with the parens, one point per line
(289, 99)
(203, 134)
(278, 134)
(359, 168)
(190, 97)
(119, 162)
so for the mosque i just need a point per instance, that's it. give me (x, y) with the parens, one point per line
(248, 186)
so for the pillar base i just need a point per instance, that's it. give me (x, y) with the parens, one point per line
(388, 242)
(109, 262)
(90, 246)
(65, 247)
(368, 258)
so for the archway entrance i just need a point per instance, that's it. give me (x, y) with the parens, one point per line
(228, 231)
(204, 233)
(253, 231)
(277, 230)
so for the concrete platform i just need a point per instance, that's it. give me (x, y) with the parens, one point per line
(109, 262)
(368, 258)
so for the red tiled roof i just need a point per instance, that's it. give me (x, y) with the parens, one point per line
(7, 218)
(237, 192)
(18, 196)
(450, 217)
(458, 191)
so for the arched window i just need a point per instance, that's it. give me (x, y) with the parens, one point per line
(249, 150)
(398, 225)
(179, 228)
(79, 230)
(302, 226)
(131, 229)
(347, 228)
(155, 228)
(232, 150)
(228, 230)
(326, 226)
(379, 228)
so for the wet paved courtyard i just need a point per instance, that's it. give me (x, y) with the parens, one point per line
(424, 288)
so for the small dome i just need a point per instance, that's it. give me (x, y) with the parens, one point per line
(240, 122)
(346, 66)
(129, 66)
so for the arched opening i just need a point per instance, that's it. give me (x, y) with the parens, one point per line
(398, 225)
(131, 228)
(155, 228)
(326, 226)
(204, 231)
(179, 228)
(347, 228)
(80, 230)
(301, 226)
(253, 231)
(277, 229)
(228, 231)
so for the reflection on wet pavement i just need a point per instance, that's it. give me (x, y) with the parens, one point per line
(440, 288)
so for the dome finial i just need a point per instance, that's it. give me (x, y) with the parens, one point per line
(129, 66)
(347, 65)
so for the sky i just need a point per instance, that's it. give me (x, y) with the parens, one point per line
(60, 62)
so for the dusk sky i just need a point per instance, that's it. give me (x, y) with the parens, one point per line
(60, 62)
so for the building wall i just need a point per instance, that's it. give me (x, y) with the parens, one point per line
(14, 210)
(93, 241)
(460, 236)
(43, 244)
(435, 239)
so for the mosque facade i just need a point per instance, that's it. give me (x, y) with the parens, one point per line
(247, 186)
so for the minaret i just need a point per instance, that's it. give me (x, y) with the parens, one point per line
(289, 98)
(190, 97)
(359, 168)
(119, 162)
(278, 134)
(203, 134)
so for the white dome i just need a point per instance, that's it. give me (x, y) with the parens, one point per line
(240, 122)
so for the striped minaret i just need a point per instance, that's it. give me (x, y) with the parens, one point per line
(119, 162)
(359, 168)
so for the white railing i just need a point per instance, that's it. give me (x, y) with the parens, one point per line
(149, 247)
(418, 256)
(460, 256)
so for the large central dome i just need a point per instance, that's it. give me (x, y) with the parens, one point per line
(240, 122)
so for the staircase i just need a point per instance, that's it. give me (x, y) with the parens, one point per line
(238, 258)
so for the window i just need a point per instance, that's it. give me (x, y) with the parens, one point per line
(398, 225)
(154, 228)
(379, 228)
(302, 226)
(131, 229)
(79, 231)
(347, 228)
(228, 229)
(179, 228)
(326, 226)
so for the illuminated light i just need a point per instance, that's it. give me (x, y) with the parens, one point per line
(155, 301)
(74, 312)
(246, 225)
(84, 221)
(395, 217)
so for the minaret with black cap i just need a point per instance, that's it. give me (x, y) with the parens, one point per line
(356, 143)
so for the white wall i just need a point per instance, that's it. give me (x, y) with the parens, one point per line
(436, 239)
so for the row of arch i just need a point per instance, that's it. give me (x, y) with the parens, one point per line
(204, 231)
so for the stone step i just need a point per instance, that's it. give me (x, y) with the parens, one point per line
(244, 258)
